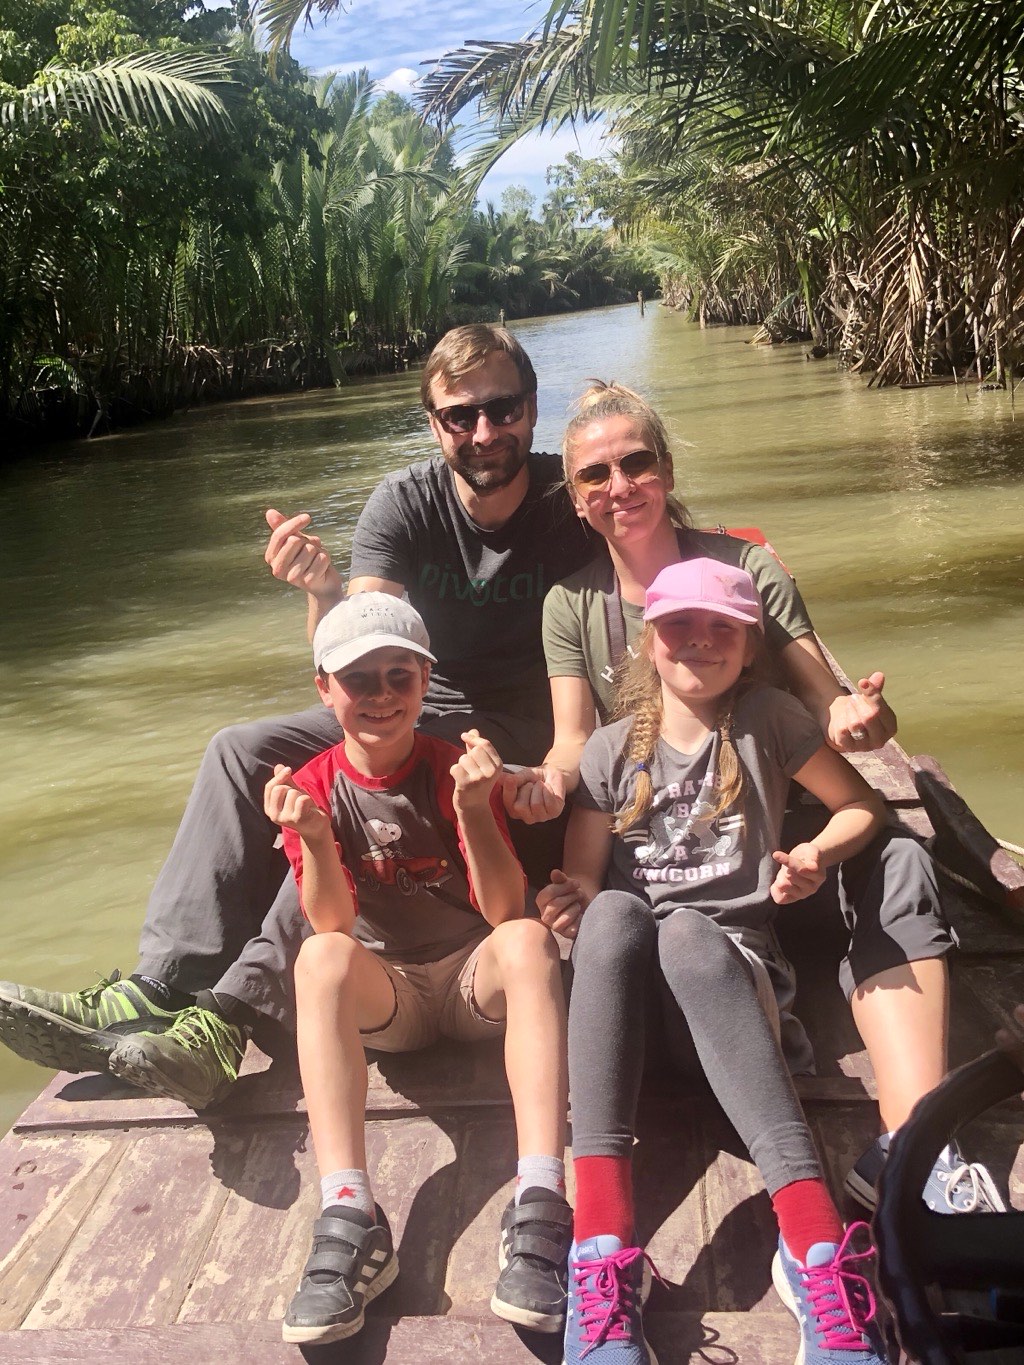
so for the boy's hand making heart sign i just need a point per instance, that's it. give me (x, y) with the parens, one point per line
(476, 772)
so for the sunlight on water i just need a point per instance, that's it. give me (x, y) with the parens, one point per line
(138, 615)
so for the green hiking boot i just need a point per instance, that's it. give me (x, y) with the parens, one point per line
(196, 1060)
(76, 1032)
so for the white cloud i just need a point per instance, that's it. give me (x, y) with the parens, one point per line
(402, 81)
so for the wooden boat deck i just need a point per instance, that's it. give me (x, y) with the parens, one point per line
(134, 1225)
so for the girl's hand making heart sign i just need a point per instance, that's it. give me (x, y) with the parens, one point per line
(800, 874)
(561, 903)
(476, 772)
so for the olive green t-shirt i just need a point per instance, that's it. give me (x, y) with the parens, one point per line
(575, 625)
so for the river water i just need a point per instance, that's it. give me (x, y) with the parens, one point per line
(138, 615)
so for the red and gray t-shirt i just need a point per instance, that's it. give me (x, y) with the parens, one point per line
(400, 844)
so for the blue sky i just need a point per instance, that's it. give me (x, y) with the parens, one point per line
(392, 38)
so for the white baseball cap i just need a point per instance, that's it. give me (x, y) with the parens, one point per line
(363, 623)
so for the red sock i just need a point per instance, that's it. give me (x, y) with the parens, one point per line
(806, 1215)
(604, 1197)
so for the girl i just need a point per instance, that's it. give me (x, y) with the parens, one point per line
(619, 471)
(678, 813)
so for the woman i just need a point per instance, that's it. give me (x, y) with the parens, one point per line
(618, 469)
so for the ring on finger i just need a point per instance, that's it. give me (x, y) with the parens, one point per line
(859, 734)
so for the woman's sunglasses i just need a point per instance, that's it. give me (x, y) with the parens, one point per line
(636, 466)
(462, 418)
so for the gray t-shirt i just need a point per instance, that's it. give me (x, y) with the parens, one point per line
(576, 641)
(480, 592)
(680, 855)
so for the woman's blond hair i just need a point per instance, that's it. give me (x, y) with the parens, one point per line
(601, 400)
(638, 694)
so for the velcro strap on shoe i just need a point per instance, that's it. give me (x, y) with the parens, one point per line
(334, 1256)
(536, 1244)
(341, 1230)
(553, 1211)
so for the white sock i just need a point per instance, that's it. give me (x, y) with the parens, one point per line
(347, 1189)
(540, 1172)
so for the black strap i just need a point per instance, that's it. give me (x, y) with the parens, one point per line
(615, 622)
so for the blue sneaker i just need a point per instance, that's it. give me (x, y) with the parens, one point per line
(607, 1286)
(954, 1186)
(832, 1301)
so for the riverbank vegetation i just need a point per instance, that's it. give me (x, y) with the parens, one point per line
(183, 219)
(845, 172)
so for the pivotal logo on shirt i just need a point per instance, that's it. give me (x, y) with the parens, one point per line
(443, 583)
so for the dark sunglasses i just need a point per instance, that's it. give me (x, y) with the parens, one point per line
(461, 418)
(639, 464)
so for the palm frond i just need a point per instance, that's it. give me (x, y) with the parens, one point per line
(156, 89)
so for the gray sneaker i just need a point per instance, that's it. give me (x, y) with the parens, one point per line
(956, 1186)
(76, 1031)
(533, 1253)
(352, 1261)
(195, 1061)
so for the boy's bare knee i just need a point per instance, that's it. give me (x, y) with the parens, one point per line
(524, 943)
(326, 958)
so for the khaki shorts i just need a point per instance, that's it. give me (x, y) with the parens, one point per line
(433, 1000)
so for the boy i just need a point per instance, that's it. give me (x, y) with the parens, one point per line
(433, 942)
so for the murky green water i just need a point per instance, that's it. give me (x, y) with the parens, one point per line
(138, 615)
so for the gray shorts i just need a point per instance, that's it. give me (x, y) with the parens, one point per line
(433, 1000)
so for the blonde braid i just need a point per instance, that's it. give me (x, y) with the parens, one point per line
(729, 778)
(639, 695)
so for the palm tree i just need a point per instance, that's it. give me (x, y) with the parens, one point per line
(883, 138)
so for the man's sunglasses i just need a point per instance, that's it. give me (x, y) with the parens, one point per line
(636, 466)
(462, 418)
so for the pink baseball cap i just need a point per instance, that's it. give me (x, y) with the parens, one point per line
(704, 585)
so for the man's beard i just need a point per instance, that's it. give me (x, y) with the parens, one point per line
(498, 472)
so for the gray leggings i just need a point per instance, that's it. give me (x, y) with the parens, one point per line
(707, 987)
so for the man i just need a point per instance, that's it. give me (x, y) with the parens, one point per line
(475, 537)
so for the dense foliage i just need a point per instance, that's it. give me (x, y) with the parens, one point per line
(182, 220)
(846, 171)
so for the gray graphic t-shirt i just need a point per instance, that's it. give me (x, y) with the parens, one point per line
(480, 592)
(682, 854)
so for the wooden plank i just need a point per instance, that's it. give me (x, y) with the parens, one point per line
(48, 1186)
(769, 1338)
(996, 986)
(449, 1076)
(144, 1238)
(742, 1234)
(270, 1205)
(276, 1196)
(417, 1175)
(962, 842)
(487, 1167)
(888, 770)
(842, 1135)
(669, 1163)
(679, 1339)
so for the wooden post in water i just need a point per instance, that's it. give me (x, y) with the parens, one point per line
(640, 300)
(501, 317)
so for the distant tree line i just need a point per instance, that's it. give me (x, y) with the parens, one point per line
(180, 221)
(849, 172)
